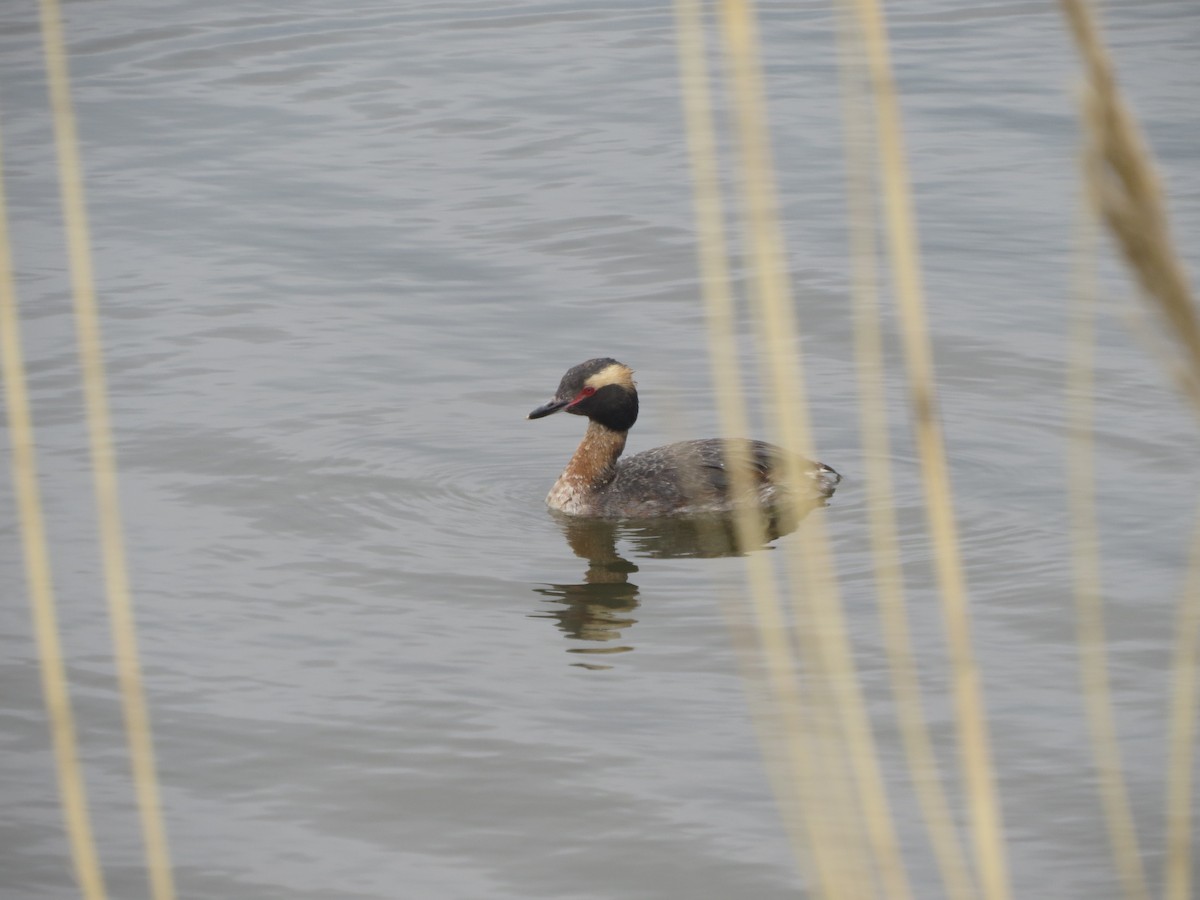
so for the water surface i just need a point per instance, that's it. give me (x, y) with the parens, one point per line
(342, 251)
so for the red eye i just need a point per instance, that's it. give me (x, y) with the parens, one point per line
(587, 391)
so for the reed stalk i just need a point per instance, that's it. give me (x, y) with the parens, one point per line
(889, 580)
(1124, 187)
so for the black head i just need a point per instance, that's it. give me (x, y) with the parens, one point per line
(601, 389)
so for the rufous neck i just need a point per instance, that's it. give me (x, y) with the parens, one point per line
(595, 459)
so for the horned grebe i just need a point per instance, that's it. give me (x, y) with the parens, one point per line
(686, 478)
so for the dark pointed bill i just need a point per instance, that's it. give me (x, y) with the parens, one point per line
(547, 408)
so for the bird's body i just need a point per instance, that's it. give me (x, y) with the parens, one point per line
(685, 478)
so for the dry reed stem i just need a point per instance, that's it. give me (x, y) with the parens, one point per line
(1125, 188)
(793, 784)
(1085, 557)
(987, 828)
(814, 585)
(1181, 740)
(1128, 193)
(889, 579)
(55, 690)
(104, 472)
(1157, 345)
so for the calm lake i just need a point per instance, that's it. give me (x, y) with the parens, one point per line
(342, 249)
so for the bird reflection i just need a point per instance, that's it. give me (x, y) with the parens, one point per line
(596, 610)
(599, 610)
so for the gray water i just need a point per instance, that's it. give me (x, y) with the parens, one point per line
(341, 250)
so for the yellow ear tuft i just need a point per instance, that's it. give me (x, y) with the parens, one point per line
(615, 374)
